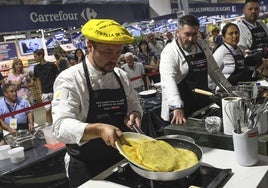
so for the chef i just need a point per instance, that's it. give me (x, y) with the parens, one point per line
(184, 65)
(253, 32)
(254, 37)
(93, 103)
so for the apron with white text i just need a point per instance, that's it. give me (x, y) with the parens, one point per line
(240, 73)
(259, 36)
(105, 106)
(197, 77)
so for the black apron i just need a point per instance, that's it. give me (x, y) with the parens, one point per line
(105, 106)
(197, 77)
(240, 73)
(259, 36)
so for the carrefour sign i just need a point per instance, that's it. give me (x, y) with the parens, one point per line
(32, 17)
(86, 14)
(60, 16)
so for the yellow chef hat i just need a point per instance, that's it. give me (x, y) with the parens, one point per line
(106, 31)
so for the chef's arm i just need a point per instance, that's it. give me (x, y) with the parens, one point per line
(108, 133)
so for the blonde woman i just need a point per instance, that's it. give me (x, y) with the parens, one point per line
(21, 79)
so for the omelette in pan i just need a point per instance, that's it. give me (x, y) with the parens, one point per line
(155, 155)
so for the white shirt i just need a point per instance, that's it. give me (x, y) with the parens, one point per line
(174, 68)
(225, 60)
(245, 41)
(133, 73)
(71, 99)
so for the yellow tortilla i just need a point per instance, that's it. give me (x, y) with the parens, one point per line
(158, 155)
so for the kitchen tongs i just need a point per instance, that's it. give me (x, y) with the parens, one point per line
(123, 140)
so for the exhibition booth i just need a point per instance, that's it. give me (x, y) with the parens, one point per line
(49, 26)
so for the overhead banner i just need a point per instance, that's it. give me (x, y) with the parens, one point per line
(216, 9)
(8, 51)
(212, 9)
(33, 17)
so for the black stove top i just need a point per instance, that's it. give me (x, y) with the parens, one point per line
(205, 176)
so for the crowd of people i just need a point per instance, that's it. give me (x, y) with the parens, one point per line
(95, 95)
(18, 88)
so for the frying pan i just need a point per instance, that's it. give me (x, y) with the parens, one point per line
(166, 176)
(214, 97)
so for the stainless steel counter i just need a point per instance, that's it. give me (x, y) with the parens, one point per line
(41, 167)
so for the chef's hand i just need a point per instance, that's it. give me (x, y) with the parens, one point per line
(133, 118)
(178, 117)
(110, 134)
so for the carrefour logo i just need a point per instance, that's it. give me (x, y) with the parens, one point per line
(86, 14)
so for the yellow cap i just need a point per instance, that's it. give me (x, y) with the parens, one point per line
(106, 31)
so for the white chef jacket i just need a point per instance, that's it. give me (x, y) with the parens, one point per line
(245, 40)
(133, 73)
(71, 99)
(174, 68)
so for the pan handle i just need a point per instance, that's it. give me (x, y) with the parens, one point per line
(203, 92)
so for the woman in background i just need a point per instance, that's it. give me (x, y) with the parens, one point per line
(149, 60)
(21, 79)
(230, 58)
(79, 55)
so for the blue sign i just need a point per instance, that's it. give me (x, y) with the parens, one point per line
(8, 51)
(33, 17)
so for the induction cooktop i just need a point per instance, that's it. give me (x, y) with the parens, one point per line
(204, 176)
